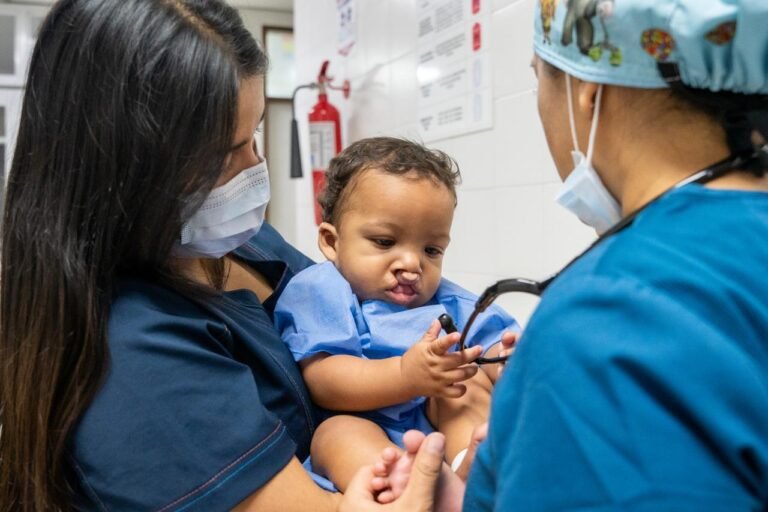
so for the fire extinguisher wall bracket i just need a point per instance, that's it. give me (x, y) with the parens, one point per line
(296, 167)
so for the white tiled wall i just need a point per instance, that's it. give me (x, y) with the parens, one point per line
(507, 223)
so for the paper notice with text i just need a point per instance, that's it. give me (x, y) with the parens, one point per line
(454, 68)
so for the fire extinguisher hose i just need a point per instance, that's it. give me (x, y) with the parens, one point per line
(296, 167)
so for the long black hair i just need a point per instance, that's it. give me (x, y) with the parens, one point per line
(128, 114)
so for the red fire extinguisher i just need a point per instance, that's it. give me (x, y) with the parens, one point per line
(324, 133)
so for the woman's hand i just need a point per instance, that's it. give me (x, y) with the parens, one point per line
(419, 494)
(430, 370)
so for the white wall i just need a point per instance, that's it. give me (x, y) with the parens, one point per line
(507, 223)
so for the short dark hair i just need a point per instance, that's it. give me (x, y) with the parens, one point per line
(741, 116)
(390, 155)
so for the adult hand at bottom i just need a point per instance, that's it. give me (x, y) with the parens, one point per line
(419, 494)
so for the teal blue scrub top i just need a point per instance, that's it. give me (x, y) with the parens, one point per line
(641, 381)
(202, 403)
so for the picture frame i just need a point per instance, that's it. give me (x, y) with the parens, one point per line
(281, 75)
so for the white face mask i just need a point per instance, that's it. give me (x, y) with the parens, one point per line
(582, 192)
(229, 216)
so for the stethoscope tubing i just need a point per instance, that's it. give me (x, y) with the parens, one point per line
(537, 288)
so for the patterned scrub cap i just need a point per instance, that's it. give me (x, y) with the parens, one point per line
(720, 45)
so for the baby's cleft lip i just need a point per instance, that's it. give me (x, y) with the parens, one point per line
(406, 289)
(402, 294)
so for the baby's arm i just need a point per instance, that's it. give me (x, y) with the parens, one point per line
(349, 383)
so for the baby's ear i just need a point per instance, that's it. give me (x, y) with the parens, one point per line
(327, 239)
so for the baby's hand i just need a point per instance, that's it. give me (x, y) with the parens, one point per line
(430, 370)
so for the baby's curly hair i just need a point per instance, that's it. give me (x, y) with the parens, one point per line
(390, 155)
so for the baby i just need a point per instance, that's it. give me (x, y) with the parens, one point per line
(353, 322)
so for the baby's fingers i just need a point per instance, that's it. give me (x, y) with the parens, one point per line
(443, 344)
(389, 456)
(462, 357)
(380, 483)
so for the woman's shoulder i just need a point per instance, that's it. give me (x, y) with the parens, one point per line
(145, 298)
(153, 432)
(174, 351)
(144, 314)
(685, 235)
(664, 279)
(141, 292)
(708, 225)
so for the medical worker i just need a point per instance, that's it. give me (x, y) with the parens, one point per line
(641, 381)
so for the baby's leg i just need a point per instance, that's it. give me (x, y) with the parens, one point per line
(343, 444)
(458, 417)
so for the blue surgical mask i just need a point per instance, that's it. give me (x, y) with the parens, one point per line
(229, 216)
(583, 192)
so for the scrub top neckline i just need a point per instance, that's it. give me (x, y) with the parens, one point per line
(243, 296)
(274, 271)
(699, 188)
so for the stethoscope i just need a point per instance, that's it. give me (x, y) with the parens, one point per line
(537, 288)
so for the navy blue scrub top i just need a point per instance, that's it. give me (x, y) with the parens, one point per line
(202, 403)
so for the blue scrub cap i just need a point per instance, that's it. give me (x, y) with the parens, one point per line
(719, 45)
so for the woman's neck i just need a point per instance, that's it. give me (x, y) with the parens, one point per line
(742, 180)
(647, 144)
(236, 275)
(193, 269)
(646, 189)
(650, 164)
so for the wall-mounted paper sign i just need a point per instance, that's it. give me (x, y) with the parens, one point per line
(347, 25)
(454, 68)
